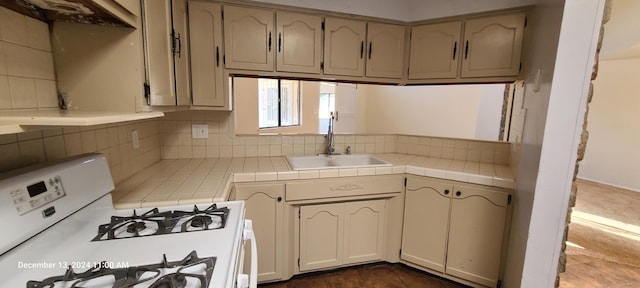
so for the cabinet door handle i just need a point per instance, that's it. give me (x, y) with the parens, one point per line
(361, 49)
(217, 56)
(446, 192)
(279, 42)
(370, 50)
(466, 50)
(269, 41)
(458, 193)
(455, 49)
(279, 199)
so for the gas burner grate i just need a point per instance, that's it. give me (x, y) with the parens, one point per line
(165, 274)
(154, 222)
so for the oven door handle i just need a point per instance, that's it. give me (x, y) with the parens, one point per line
(249, 235)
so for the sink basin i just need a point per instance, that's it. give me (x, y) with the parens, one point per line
(334, 161)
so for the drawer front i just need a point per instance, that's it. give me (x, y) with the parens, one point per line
(343, 187)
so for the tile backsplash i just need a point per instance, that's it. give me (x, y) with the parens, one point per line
(113, 140)
(222, 143)
(27, 77)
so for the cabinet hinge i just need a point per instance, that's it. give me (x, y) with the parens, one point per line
(222, 14)
(298, 213)
(400, 253)
(147, 92)
(525, 21)
(520, 69)
(405, 181)
(509, 199)
(322, 65)
(298, 263)
(322, 25)
(224, 59)
(499, 284)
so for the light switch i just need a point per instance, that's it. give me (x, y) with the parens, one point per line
(199, 131)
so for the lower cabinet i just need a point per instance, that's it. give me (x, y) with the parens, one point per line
(454, 228)
(264, 206)
(341, 233)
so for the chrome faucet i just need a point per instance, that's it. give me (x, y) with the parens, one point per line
(330, 149)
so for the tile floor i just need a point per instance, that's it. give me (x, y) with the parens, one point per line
(382, 275)
(604, 238)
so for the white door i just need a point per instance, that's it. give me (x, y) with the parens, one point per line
(159, 53)
(299, 47)
(435, 50)
(249, 38)
(385, 51)
(321, 236)
(364, 231)
(344, 47)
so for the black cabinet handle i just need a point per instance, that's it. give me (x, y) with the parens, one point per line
(269, 41)
(446, 192)
(370, 50)
(279, 199)
(455, 49)
(279, 42)
(458, 193)
(217, 56)
(361, 49)
(466, 50)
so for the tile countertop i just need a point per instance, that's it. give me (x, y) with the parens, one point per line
(191, 181)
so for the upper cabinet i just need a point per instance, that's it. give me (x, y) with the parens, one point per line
(385, 52)
(493, 46)
(344, 50)
(207, 73)
(166, 51)
(248, 38)
(299, 42)
(434, 50)
(348, 44)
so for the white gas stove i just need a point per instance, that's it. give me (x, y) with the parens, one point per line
(60, 230)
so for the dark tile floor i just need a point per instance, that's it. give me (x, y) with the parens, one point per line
(378, 275)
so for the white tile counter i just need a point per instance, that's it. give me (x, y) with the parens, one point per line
(190, 181)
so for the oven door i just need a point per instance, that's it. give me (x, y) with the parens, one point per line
(247, 280)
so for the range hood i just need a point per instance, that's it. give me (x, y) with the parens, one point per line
(102, 12)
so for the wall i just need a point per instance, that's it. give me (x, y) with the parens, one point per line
(246, 105)
(619, 43)
(612, 155)
(113, 140)
(222, 142)
(27, 78)
(543, 32)
(418, 110)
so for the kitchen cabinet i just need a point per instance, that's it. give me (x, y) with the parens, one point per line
(385, 52)
(166, 52)
(454, 228)
(493, 45)
(337, 234)
(248, 38)
(344, 46)
(434, 50)
(264, 206)
(299, 42)
(207, 71)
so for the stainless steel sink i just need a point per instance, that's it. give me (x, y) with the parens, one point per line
(335, 161)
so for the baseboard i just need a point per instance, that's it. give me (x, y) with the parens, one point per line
(610, 184)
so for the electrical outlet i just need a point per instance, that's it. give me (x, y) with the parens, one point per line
(134, 139)
(199, 131)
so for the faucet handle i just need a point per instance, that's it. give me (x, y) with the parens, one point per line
(348, 152)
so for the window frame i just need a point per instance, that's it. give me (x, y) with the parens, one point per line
(298, 94)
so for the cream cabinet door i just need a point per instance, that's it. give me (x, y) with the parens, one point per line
(493, 46)
(344, 47)
(363, 231)
(321, 236)
(248, 38)
(385, 51)
(299, 42)
(434, 50)
(158, 29)
(426, 225)
(181, 52)
(476, 232)
(264, 206)
(205, 34)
